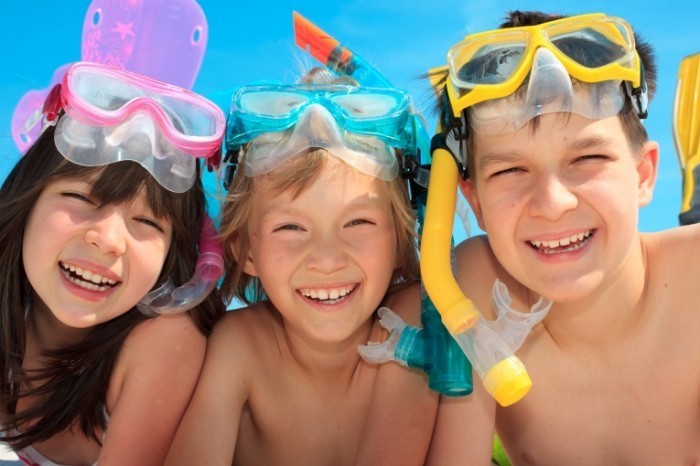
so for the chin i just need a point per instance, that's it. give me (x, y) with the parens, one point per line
(562, 289)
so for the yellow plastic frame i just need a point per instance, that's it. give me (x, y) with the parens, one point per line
(627, 68)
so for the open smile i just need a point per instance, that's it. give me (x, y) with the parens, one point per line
(328, 295)
(562, 245)
(86, 279)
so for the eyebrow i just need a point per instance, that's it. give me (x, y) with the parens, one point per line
(506, 157)
(494, 158)
(588, 143)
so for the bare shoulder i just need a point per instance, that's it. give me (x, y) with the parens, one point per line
(153, 380)
(175, 336)
(246, 336)
(406, 303)
(477, 270)
(248, 324)
(474, 247)
(476, 262)
(674, 244)
(164, 344)
(673, 260)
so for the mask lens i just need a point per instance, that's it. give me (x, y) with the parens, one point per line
(490, 59)
(492, 64)
(272, 103)
(594, 46)
(364, 106)
(111, 94)
(103, 90)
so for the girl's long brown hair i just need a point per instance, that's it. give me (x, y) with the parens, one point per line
(74, 379)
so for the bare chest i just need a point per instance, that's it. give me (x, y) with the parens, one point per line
(639, 406)
(304, 424)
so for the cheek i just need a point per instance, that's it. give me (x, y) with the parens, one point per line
(381, 251)
(150, 260)
(496, 213)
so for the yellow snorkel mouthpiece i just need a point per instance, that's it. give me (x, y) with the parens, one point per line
(503, 374)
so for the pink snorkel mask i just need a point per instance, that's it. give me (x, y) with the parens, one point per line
(113, 115)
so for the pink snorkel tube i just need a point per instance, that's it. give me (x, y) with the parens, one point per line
(168, 299)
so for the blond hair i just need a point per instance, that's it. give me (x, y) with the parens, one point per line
(298, 174)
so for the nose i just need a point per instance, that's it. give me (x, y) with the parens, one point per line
(108, 232)
(552, 198)
(326, 254)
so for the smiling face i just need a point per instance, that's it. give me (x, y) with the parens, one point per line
(88, 262)
(325, 256)
(560, 202)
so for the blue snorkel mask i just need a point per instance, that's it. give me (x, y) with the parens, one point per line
(430, 348)
(362, 126)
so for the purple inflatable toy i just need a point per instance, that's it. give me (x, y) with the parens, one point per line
(163, 39)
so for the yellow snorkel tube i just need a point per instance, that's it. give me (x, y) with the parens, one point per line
(503, 374)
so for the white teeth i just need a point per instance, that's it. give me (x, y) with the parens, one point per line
(572, 240)
(88, 277)
(323, 294)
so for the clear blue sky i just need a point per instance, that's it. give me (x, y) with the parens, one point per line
(251, 40)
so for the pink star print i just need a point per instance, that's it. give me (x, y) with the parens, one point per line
(123, 29)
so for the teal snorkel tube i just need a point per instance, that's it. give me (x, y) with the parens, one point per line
(431, 348)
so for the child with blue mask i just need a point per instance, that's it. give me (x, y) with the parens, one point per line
(319, 234)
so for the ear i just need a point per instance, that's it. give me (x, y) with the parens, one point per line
(468, 189)
(647, 170)
(248, 264)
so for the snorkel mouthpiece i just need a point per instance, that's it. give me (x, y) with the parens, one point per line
(503, 374)
(168, 299)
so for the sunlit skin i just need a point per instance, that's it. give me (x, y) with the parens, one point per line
(615, 363)
(286, 372)
(88, 263)
(336, 238)
(573, 178)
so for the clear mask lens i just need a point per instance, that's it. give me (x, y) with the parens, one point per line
(317, 127)
(549, 89)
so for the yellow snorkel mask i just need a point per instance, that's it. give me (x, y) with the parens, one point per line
(496, 82)
(493, 64)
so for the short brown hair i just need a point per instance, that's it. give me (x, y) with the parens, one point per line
(631, 123)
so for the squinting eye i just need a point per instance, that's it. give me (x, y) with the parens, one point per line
(359, 221)
(506, 171)
(151, 223)
(593, 157)
(78, 196)
(289, 227)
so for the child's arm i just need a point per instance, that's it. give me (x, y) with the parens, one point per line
(149, 390)
(464, 429)
(465, 426)
(403, 409)
(208, 432)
